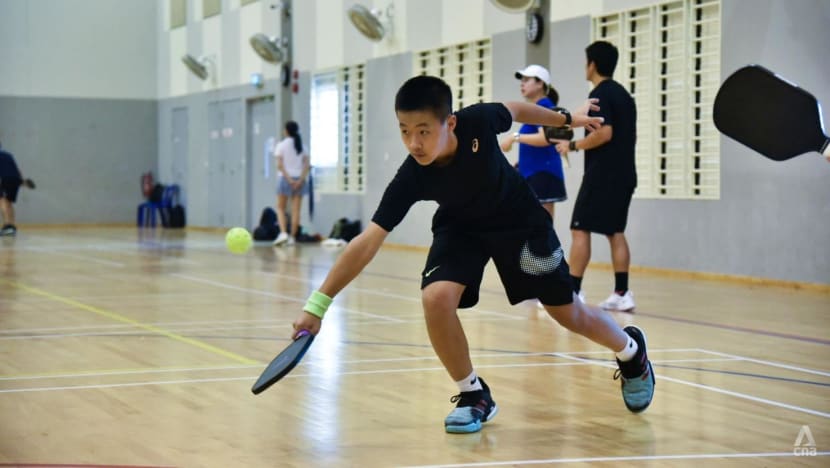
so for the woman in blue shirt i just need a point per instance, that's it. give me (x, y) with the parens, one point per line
(539, 162)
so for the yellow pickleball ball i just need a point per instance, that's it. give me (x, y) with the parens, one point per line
(238, 240)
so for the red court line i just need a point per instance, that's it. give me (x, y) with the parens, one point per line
(736, 328)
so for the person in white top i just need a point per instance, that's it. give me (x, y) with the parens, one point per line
(293, 165)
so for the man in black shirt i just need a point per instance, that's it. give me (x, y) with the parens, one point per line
(610, 176)
(10, 181)
(486, 210)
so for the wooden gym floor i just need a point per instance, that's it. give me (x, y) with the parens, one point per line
(127, 348)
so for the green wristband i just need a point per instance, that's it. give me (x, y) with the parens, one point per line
(317, 304)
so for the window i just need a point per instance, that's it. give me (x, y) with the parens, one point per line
(211, 8)
(466, 68)
(337, 130)
(178, 13)
(670, 63)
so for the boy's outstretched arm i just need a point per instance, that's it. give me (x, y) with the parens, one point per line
(526, 112)
(358, 253)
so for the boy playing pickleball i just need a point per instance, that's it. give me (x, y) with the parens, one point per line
(486, 210)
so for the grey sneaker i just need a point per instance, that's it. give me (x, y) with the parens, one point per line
(473, 409)
(637, 375)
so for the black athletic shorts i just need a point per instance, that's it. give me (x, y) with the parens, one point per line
(601, 208)
(547, 187)
(9, 187)
(530, 263)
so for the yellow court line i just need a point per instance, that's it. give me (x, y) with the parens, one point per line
(121, 318)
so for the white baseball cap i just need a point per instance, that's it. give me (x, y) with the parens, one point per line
(535, 71)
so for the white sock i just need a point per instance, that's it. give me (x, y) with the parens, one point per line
(629, 351)
(470, 383)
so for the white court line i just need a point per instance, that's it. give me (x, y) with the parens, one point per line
(397, 296)
(283, 324)
(123, 325)
(576, 362)
(128, 372)
(137, 332)
(276, 295)
(80, 257)
(312, 363)
(533, 364)
(251, 378)
(95, 297)
(351, 361)
(418, 300)
(138, 245)
(691, 456)
(768, 363)
(717, 390)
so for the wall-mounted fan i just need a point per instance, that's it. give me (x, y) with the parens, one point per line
(270, 49)
(370, 22)
(516, 6)
(199, 66)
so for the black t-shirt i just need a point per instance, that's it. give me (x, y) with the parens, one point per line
(8, 168)
(477, 190)
(615, 159)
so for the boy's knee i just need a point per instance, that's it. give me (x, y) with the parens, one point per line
(436, 297)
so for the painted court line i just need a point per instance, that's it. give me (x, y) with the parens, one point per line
(104, 333)
(721, 326)
(275, 295)
(112, 372)
(717, 390)
(85, 258)
(768, 363)
(253, 378)
(402, 297)
(123, 319)
(103, 373)
(573, 362)
(691, 456)
(74, 465)
(280, 325)
(108, 326)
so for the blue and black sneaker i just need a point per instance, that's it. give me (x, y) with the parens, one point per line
(473, 409)
(637, 374)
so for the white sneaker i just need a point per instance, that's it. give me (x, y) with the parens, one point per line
(617, 302)
(281, 239)
(291, 241)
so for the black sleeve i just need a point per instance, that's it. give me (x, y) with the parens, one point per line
(608, 101)
(501, 120)
(398, 197)
(495, 114)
